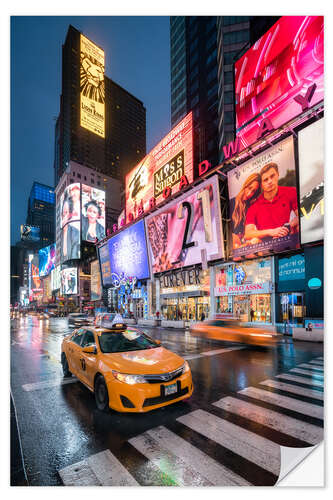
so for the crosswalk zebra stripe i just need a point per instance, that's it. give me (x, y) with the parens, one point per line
(317, 363)
(220, 351)
(284, 401)
(253, 447)
(101, 469)
(282, 423)
(320, 358)
(159, 443)
(301, 380)
(294, 389)
(307, 372)
(47, 384)
(311, 367)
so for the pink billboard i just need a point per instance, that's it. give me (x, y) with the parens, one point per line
(187, 230)
(284, 63)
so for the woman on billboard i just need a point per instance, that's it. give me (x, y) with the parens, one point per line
(70, 235)
(91, 229)
(249, 192)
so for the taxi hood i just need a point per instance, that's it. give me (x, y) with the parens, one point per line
(144, 361)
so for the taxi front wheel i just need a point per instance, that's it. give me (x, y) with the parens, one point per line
(65, 368)
(101, 394)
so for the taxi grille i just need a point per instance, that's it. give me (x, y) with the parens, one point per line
(164, 377)
(162, 399)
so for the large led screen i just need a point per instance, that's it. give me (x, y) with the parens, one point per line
(69, 281)
(263, 203)
(47, 257)
(95, 282)
(35, 283)
(162, 167)
(56, 278)
(93, 213)
(311, 181)
(92, 89)
(282, 64)
(187, 230)
(128, 252)
(30, 233)
(104, 259)
(70, 215)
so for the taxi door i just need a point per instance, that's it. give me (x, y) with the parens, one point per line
(74, 351)
(87, 362)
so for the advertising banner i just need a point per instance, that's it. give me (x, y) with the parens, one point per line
(70, 216)
(69, 281)
(292, 268)
(281, 65)
(92, 89)
(104, 259)
(56, 278)
(163, 167)
(95, 282)
(30, 233)
(252, 288)
(128, 252)
(93, 213)
(187, 230)
(36, 289)
(263, 203)
(47, 257)
(311, 181)
(47, 292)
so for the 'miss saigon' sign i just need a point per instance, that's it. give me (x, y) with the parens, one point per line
(265, 287)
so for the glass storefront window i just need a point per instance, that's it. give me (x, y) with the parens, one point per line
(261, 307)
(186, 308)
(292, 309)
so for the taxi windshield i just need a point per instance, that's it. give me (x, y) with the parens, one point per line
(125, 341)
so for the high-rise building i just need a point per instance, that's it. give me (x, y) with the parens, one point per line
(120, 141)
(41, 213)
(203, 50)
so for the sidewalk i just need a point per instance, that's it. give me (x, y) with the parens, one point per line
(17, 471)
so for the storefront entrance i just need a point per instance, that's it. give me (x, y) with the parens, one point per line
(185, 308)
(292, 309)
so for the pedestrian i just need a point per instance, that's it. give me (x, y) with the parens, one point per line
(203, 316)
(251, 314)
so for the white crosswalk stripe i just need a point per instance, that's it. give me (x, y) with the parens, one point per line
(282, 423)
(311, 367)
(47, 384)
(301, 380)
(316, 362)
(307, 372)
(284, 401)
(169, 452)
(294, 389)
(254, 448)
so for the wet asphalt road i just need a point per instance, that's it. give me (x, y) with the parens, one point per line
(60, 425)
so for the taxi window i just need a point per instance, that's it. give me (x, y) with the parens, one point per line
(125, 341)
(77, 337)
(88, 339)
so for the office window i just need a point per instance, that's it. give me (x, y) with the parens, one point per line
(236, 37)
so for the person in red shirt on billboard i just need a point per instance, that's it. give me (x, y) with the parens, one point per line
(275, 213)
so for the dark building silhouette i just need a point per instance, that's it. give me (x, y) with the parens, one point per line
(41, 213)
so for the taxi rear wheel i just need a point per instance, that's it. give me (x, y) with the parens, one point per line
(101, 394)
(65, 368)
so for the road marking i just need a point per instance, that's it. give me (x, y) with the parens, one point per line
(312, 367)
(213, 352)
(294, 389)
(282, 423)
(301, 380)
(160, 444)
(102, 469)
(284, 401)
(49, 383)
(307, 372)
(253, 447)
(317, 363)
(192, 356)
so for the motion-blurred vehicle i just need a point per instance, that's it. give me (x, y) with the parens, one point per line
(126, 369)
(79, 319)
(232, 330)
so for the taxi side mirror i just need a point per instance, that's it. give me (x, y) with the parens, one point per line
(90, 349)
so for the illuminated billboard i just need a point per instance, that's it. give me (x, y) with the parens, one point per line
(128, 252)
(47, 257)
(92, 89)
(95, 282)
(163, 167)
(30, 233)
(47, 292)
(69, 281)
(263, 203)
(311, 181)
(187, 230)
(93, 213)
(69, 218)
(35, 285)
(104, 259)
(282, 64)
(56, 278)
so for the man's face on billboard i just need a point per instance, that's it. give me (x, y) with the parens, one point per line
(269, 180)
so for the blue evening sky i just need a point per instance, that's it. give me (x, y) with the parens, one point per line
(137, 57)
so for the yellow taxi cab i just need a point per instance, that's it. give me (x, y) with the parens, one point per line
(126, 369)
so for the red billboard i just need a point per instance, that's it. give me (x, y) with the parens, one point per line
(163, 167)
(284, 63)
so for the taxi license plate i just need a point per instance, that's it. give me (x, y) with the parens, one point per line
(170, 389)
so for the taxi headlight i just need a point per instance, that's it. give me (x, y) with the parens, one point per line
(129, 379)
(186, 367)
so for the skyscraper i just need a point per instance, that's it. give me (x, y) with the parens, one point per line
(41, 212)
(121, 142)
